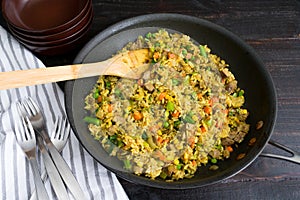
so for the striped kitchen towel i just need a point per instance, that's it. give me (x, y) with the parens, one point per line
(15, 172)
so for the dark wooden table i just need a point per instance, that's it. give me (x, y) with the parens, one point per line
(272, 28)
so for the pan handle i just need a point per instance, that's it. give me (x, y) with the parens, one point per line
(294, 158)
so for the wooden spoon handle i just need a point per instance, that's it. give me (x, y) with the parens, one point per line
(130, 64)
(20, 78)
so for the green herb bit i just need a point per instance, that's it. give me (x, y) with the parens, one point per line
(175, 81)
(92, 120)
(177, 123)
(144, 136)
(178, 166)
(184, 52)
(107, 85)
(118, 92)
(208, 121)
(241, 93)
(112, 138)
(148, 35)
(194, 95)
(157, 44)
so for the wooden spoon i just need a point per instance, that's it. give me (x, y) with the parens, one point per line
(130, 64)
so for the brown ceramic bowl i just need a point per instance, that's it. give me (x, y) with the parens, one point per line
(65, 37)
(61, 48)
(43, 17)
(29, 38)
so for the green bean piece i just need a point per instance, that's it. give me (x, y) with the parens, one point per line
(170, 106)
(188, 119)
(92, 120)
(163, 175)
(127, 164)
(118, 92)
(202, 51)
(184, 52)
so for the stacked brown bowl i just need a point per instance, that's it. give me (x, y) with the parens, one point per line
(49, 27)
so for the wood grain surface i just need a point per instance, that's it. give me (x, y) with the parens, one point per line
(272, 28)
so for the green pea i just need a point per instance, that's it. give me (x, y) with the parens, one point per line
(166, 124)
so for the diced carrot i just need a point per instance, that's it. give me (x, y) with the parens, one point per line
(159, 140)
(223, 80)
(203, 129)
(210, 102)
(229, 148)
(214, 99)
(110, 107)
(166, 140)
(171, 55)
(225, 111)
(156, 55)
(194, 162)
(199, 95)
(160, 155)
(140, 82)
(207, 109)
(191, 141)
(162, 96)
(176, 114)
(99, 99)
(137, 115)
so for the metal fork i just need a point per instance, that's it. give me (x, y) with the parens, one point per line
(59, 138)
(27, 141)
(38, 122)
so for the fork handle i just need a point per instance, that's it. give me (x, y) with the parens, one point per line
(53, 174)
(66, 173)
(40, 188)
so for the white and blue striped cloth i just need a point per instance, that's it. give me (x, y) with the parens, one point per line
(15, 173)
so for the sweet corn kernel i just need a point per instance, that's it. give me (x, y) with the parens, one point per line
(176, 161)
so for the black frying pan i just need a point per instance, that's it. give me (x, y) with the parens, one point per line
(245, 64)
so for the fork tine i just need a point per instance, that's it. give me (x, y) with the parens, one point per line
(29, 127)
(29, 108)
(68, 128)
(34, 105)
(59, 128)
(62, 127)
(20, 109)
(55, 132)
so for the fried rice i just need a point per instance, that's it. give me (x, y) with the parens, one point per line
(185, 112)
